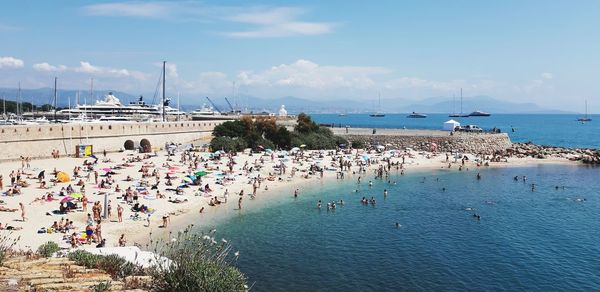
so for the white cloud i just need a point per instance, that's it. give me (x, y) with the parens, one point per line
(133, 9)
(547, 75)
(11, 62)
(304, 73)
(263, 21)
(86, 67)
(277, 22)
(45, 67)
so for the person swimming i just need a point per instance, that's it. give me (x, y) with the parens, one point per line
(476, 216)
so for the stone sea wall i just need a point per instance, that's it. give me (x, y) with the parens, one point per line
(483, 143)
(38, 141)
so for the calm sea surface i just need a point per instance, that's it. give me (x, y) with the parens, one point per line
(556, 130)
(543, 240)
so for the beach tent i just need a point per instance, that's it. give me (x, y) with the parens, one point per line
(450, 125)
(63, 177)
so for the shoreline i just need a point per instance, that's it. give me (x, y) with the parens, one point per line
(183, 214)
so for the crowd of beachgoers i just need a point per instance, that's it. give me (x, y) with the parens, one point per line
(72, 201)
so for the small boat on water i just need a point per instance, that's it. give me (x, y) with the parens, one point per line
(415, 115)
(454, 114)
(378, 114)
(479, 114)
(585, 118)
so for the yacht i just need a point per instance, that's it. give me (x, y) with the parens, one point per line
(585, 118)
(415, 115)
(208, 113)
(112, 106)
(479, 114)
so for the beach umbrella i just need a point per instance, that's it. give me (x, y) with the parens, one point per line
(63, 177)
(268, 150)
(188, 179)
(303, 146)
(66, 199)
(76, 195)
(201, 173)
(107, 169)
(295, 149)
(380, 147)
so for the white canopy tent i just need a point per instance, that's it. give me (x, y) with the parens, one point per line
(451, 125)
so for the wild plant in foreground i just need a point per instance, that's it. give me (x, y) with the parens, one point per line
(196, 262)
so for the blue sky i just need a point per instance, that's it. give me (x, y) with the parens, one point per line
(545, 52)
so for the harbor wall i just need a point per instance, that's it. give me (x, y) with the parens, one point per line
(423, 140)
(38, 141)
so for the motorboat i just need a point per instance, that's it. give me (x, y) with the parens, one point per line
(479, 114)
(415, 115)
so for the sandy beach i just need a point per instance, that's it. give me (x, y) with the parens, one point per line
(275, 185)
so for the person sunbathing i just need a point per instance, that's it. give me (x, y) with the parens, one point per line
(8, 227)
(4, 209)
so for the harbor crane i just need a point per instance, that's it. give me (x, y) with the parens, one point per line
(213, 104)
(230, 106)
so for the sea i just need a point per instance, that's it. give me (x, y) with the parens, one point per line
(424, 236)
(544, 129)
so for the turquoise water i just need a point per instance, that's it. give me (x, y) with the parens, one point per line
(545, 239)
(556, 130)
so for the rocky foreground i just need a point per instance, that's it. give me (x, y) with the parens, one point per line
(587, 156)
(22, 273)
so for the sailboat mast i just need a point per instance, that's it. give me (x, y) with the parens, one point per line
(163, 90)
(453, 104)
(461, 100)
(18, 98)
(55, 97)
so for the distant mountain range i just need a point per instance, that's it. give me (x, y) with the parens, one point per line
(296, 104)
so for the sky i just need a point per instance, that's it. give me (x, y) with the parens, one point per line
(545, 52)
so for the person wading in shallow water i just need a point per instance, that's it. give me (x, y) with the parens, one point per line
(240, 203)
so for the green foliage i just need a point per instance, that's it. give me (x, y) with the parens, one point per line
(263, 132)
(231, 129)
(198, 263)
(114, 265)
(305, 124)
(358, 144)
(48, 249)
(103, 286)
(84, 258)
(117, 266)
(11, 107)
(228, 144)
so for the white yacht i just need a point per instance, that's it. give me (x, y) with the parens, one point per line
(208, 113)
(111, 106)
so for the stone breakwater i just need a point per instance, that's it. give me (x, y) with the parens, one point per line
(428, 140)
(587, 156)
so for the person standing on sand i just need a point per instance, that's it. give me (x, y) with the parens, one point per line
(240, 203)
(1, 182)
(96, 177)
(120, 213)
(22, 212)
(84, 203)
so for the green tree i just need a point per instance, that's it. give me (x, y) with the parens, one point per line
(305, 124)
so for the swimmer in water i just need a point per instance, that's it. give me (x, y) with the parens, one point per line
(516, 178)
(341, 202)
(478, 175)
(397, 225)
(319, 204)
(476, 216)
(370, 183)
(443, 189)
(385, 193)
